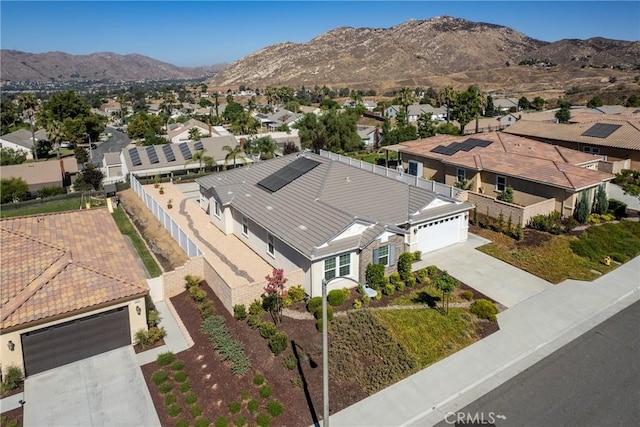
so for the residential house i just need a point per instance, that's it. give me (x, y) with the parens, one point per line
(488, 124)
(414, 111)
(618, 140)
(505, 105)
(154, 108)
(370, 136)
(112, 168)
(304, 109)
(179, 132)
(177, 159)
(490, 162)
(21, 140)
(71, 288)
(281, 117)
(49, 173)
(327, 218)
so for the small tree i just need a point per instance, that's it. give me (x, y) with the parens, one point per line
(582, 211)
(446, 284)
(506, 195)
(13, 189)
(273, 294)
(601, 202)
(405, 260)
(374, 275)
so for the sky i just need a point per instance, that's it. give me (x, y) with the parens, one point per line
(195, 33)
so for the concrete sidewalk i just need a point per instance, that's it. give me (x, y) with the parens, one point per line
(496, 279)
(529, 331)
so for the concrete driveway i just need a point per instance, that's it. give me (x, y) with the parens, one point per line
(496, 279)
(104, 390)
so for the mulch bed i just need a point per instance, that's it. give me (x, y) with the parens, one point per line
(14, 415)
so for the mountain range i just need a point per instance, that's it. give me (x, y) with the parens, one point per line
(433, 52)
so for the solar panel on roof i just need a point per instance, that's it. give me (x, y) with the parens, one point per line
(601, 130)
(135, 157)
(288, 174)
(186, 152)
(168, 153)
(198, 145)
(466, 145)
(153, 156)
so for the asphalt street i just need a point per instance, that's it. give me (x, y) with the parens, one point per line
(115, 144)
(592, 381)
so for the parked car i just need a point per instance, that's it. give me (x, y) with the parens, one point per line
(67, 144)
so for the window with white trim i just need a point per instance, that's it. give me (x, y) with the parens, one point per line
(501, 183)
(270, 245)
(383, 255)
(591, 150)
(216, 209)
(461, 175)
(329, 268)
(345, 264)
(245, 225)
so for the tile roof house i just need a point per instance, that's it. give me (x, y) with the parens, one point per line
(615, 139)
(21, 140)
(492, 161)
(71, 288)
(304, 211)
(49, 173)
(180, 131)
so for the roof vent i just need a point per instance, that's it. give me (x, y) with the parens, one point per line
(269, 208)
(302, 227)
(347, 179)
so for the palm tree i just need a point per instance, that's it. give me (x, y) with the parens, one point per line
(28, 103)
(194, 134)
(56, 135)
(233, 154)
(199, 156)
(406, 98)
(446, 96)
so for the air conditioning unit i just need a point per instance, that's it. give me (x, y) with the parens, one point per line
(400, 169)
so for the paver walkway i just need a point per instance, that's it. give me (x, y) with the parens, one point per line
(496, 279)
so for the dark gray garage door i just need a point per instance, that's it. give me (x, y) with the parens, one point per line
(58, 345)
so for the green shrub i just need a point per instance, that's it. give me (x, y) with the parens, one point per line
(583, 209)
(169, 399)
(265, 391)
(263, 420)
(296, 293)
(191, 398)
(221, 422)
(229, 350)
(547, 223)
(174, 410)
(197, 293)
(142, 337)
(404, 264)
(206, 309)
(275, 408)
(357, 304)
(155, 334)
(395, 279)
(290, 362)
(195, 411)
(239, 312)
(336, 297)
(180, 376)
(313, 304)
(240, 421)
(278, 343)
(191, 281)
(421, 276)
(506, 195)
(618, 257)
(12, 379)
(318, 313)
(182, 423)
(253, 406)
(601, 202)
(245, 395)
(185, 387)
(204, 422)
(617, 208)
(467, 295)
(401, 285)
(253, 321)
(178, 365)
(519, 234)
(159, 377)
(235, 407)
(319, 324)
(165, 388)
(432, 271)
(410, 282)
(374, 275)
(51, 191)
(153, 318)
(417, 256)
(366, 299)
(484, 309)
(389, 289)
(267, 330)
(258, 379)
(255, 308)
(347, 293)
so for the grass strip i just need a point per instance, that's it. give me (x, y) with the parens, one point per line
(127, 229)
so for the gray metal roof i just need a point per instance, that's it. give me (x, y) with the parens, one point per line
(310, 212)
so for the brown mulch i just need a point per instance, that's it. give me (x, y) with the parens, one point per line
(16, 390)
(13, 415)
(139, 349)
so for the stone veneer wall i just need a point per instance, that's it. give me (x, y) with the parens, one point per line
(519, 214)
(366, 256)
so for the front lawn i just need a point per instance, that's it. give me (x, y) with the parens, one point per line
(428, 335)
(556, 258)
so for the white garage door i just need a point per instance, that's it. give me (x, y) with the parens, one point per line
(438, 234)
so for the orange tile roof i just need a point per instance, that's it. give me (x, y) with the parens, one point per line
(515, 156)
(60, 264)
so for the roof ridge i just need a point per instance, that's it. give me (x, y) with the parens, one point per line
(30, 237)
(557, 149)
(23, 296)
(102, 273)
(564, 174)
